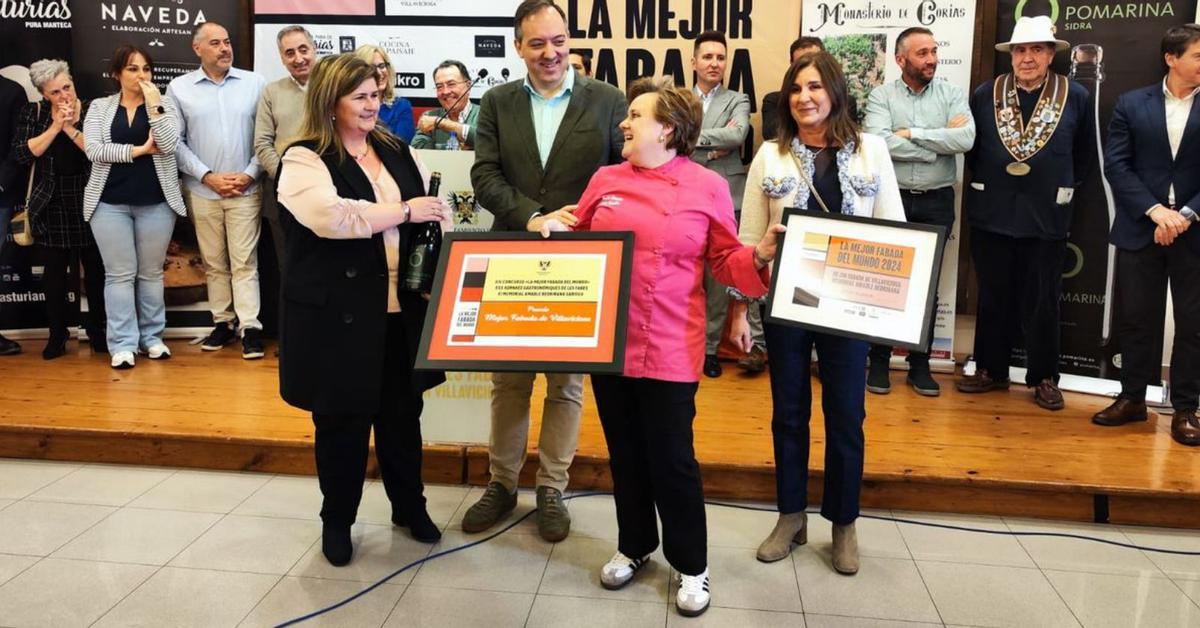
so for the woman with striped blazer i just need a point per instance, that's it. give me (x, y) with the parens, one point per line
(131, 201)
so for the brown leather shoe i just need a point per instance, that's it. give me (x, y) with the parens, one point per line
(1123, 410)
(1185, 428)
(1048, 396)
(981, 382)
(755, 361)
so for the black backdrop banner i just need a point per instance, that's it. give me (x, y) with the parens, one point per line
(84, 34)
(1114, 49)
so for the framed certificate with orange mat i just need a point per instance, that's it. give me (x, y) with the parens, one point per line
(520, 302)
(863, 278)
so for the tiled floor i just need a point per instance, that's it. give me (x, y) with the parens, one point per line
(84, 545)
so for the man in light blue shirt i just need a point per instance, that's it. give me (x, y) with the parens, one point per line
(548, 111)
(216, 107)
(926, 122)
(537, 144)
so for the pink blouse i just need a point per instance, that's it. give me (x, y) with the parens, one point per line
(307, 190)
(682, 216)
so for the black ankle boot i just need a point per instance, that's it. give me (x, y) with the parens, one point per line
(336, 544)
(56, 346)
(422, 528)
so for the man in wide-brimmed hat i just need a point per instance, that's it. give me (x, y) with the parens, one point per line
(1031, 151)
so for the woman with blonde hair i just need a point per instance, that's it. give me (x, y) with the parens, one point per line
(351, 195)
(395, 112)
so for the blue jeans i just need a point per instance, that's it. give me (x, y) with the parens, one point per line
(843, 386)
(133, 241)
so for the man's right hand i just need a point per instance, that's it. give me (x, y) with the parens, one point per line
(224, 183)
(565, 216)
(1170, 224)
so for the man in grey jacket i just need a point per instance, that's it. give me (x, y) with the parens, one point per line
(722, 134)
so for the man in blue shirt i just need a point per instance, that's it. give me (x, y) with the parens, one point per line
(216, 106)
(926, 122)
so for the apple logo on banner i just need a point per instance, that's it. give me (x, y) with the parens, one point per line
(489, 46)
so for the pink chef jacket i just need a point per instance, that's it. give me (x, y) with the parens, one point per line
(682, 215)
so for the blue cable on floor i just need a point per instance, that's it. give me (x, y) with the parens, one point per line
(518, 520)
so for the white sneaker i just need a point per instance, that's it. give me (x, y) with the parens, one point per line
(619, 570)
(692, 598)
(158, 352)
(122, 360)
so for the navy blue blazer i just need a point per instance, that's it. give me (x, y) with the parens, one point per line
(1140, 169)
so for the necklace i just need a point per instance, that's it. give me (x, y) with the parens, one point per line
(363, 155)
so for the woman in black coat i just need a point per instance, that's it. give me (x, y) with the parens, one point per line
(348, 334)
(48, 137)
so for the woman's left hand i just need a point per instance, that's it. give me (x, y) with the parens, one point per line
(769, 244)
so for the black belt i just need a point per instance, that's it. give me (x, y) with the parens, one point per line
(919, 192)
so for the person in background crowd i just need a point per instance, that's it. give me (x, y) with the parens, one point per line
(538, 144)
(215, 107)
(131, 201)
(1153, 176)
(48, 137)
(680, 211)
(1023, 177)
(726, 124)
(278, 118)
(770, 102)
(582, 63)
(351, 193)
(455, 119)
(926, 122)
(850, 172)
(12, 175)
(396, 113)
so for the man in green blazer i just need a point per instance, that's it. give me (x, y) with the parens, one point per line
(456, 117)
(538, 143)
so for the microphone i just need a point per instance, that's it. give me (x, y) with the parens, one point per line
(482, 75)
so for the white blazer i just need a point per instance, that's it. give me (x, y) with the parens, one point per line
(100, 149)
(762, 206)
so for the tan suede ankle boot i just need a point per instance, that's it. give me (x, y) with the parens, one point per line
(790, 528)
(845, 549)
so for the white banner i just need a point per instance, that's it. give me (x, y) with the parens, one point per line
(452, 8)
(862, 34)
(414, 52)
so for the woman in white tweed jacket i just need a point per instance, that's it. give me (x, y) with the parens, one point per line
(131, 201)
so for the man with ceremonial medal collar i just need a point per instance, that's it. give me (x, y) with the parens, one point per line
(1031, 152)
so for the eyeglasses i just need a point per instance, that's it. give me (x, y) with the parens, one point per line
(448, 85)
(382, 67)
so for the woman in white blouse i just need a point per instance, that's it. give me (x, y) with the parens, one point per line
(353, 194)
(846, 171)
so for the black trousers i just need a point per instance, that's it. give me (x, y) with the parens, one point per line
(935, 207)
(61, 276)
(648, 428)
(1140, 301)
(1020, 284)
(342, 443)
